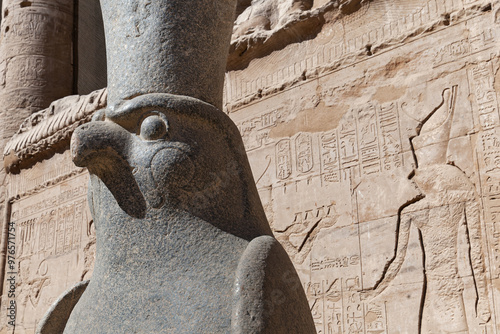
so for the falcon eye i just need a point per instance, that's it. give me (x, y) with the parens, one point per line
(153, 128)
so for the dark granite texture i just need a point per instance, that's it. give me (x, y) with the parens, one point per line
(183, 244)
(174, 46)
(58, 314)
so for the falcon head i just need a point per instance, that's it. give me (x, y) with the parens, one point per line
(161, 152)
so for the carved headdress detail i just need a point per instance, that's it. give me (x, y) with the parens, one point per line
(182, 241)
(431, 144)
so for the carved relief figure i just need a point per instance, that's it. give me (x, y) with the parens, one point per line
(450, 205)
(299, 237)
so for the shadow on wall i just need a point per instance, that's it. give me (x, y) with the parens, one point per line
(90, 49)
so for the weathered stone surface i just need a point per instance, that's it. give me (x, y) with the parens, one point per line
(48, 131)
(163, 50)
(374, 144)
(152, 191)
(182, 241)
(374, 147)
(263, 26)
(35, 69)
(52, 188)
(54, 238)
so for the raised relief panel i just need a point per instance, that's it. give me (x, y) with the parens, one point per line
(300, 236)
(51, 232)
(53, 236)
(43, 174)
(342, 41)
(255, 131)
(335, 290)
(393, 223)
(478, 40)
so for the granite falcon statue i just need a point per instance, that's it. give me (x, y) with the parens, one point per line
(183, 244)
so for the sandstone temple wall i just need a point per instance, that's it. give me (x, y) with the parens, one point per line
(373, 131)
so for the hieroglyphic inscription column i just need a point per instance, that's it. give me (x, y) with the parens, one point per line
(35, 67)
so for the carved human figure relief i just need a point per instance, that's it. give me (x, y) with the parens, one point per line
(449, 202)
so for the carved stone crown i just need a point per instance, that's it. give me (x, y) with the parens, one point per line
(431, 144)
(170, 46)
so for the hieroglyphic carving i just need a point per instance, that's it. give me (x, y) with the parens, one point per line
(340, 262)
(299, 236)
(283, 159)
(47, 230)
(464, 47)
(485, 109)
(343, 41)
(330, 166)
(335, 285)
(255, 131)
(52, 233)
(304, 152)
(481, 78)
(349, 151)
(368, 140)
(55, 227)
(43, 174)
(390, 137)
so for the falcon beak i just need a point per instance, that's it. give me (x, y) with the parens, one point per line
(103, 148)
